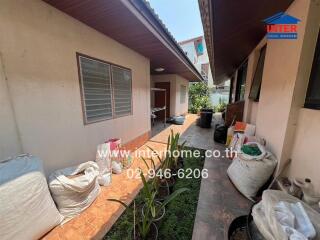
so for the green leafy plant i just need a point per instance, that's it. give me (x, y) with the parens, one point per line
(182, 207)
(173, 152)
(199, 97)
(221, 106)
(152, 210)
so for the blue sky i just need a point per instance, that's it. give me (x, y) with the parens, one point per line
(182, 17)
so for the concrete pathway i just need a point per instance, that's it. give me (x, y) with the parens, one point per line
(193, 135)
(219, 202)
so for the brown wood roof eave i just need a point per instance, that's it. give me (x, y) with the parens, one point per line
(233, 29)
(135, 25)
(206, 18)
(144, 7)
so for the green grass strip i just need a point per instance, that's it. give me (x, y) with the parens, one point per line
(180, 213)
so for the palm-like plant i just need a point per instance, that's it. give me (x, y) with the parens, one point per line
(173, 152)
(151, 211)
(151, 189)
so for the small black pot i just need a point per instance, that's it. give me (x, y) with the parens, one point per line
(180, 162)
(171, 182)
(252, 230)
(163, 191)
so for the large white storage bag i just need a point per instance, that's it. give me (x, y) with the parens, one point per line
(27, 210)
(249, 174)
(75, 188)
(103, 159)
(264, 215)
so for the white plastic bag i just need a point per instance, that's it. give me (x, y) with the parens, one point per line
(268, 214)
(116, 167)
(27, 210)
(103, 159)
(250, 130)
(237, 141)
(250, 175)
(74, 194)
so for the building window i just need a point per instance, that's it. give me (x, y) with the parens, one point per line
(105, 89)
(205, 71)
(183, 94)
(257, 79)
(231, 95)
(241, 82)
(122, 91)
(313, 93)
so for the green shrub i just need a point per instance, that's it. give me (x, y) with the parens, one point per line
(199, 97)
(221, 106)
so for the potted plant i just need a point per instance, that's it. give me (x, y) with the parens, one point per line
(170, 163)
(145, 228)
(179, 161)
(160, 184)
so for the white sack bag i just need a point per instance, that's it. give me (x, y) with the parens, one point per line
(73, 195)
(116, 167)
(245, 156)
(249, 176)
(26, 208)
(103, 159)
(265, 215)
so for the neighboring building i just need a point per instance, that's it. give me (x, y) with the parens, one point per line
(220, 93)
(196, 51)
(276, 80)
(75, 73)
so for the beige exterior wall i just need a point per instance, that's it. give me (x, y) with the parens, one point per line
(290, 130)
(271, 114)
(305, 155)
(176, 108)
(39, 57)
(278, 84)
(305, 141)
(9, 139)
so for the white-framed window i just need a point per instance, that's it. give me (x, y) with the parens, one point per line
(106, 89)
(183, 94)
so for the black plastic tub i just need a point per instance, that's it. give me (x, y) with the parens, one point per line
(252, 230)
(238, 229)
(206, 118)
(206, 110)
(243, 228)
